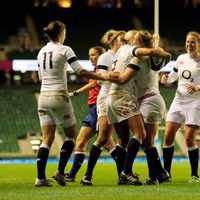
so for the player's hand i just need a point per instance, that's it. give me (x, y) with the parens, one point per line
(192, 89)
(70, 94)
(113, 74)
(164, 78)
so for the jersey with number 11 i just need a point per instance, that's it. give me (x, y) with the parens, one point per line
(53, 60)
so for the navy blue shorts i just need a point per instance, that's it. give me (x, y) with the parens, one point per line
(91, 119)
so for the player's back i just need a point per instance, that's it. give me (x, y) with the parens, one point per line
(123, 57)
(146, 78)
(52, 61)
(104, 65)
(121, 60)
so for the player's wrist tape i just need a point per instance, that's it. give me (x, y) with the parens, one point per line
(75, 93)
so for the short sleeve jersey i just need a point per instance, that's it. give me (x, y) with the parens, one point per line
(123, 56)
(146, 79)
(188, 70)
(53, 60)
(104, 65)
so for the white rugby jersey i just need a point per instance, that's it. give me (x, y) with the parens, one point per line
(123, 56)
(146, 79)
(53, 60)
(187, 71)
(104, 65)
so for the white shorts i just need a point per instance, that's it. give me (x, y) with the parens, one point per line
(121, 106)
(152, 109)
(55, 109)
(184, 112)
(101, 106)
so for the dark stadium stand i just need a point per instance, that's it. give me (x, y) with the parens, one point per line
(19, 54)
(11, 19)
(18, 116)
(85, 27)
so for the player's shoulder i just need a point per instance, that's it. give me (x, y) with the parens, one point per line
(183, 56)
(105, 54)
(66, 50)
(65, 47)
(103, 57)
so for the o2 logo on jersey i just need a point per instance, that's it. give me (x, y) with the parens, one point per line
(186, 74)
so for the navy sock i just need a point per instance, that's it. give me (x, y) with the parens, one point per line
(42, 158)
(119, 155)
(151, 155)
(65, 154)
(78, 161)
(194, 161)
(93, 157)
(167, 157)
(132, 150)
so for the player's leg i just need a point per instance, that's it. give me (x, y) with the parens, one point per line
(190, 135)
(168, 144)
(48, 134)
(65, 153)
(137, 128)
(95, 151)
(85, 134)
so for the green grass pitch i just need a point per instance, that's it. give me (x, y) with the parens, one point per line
(17, 182)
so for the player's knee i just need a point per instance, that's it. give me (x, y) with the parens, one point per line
(81, 145)
(146, 144)
(190, 142)
(168, 141)
(102, 142)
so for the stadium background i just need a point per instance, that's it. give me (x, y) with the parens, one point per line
(21, 38)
